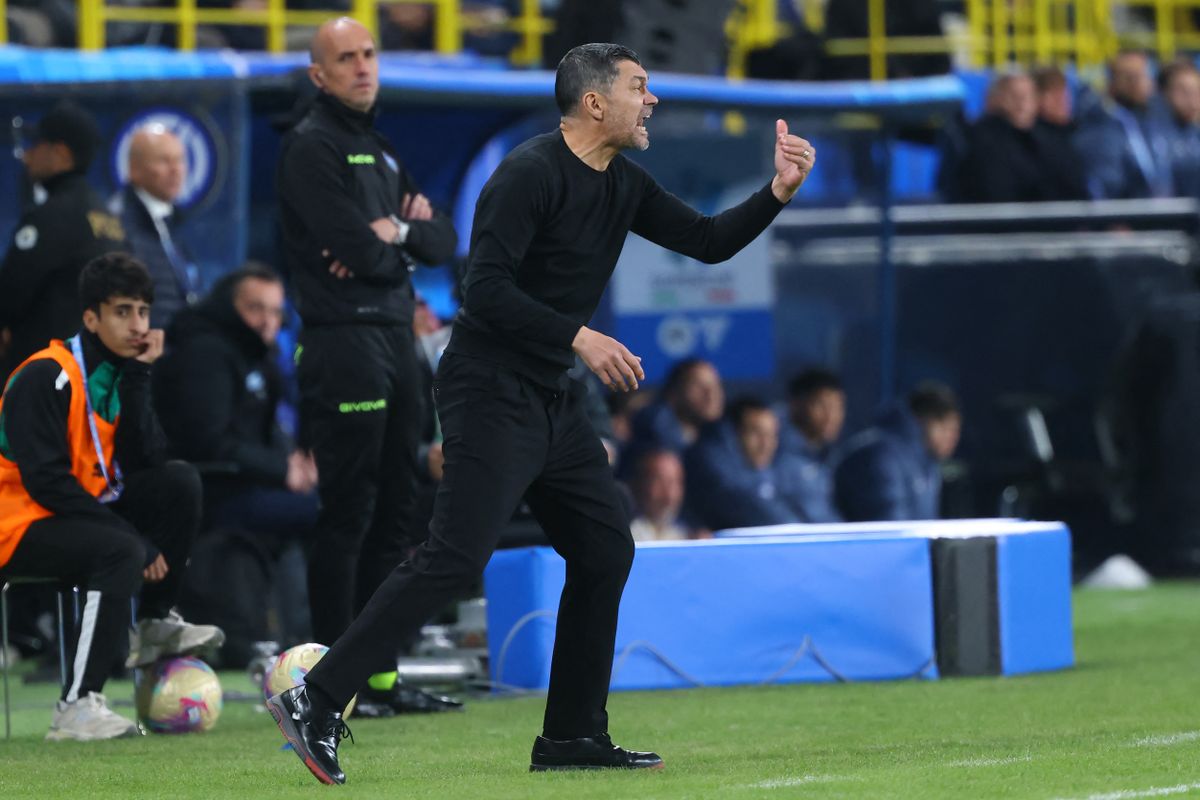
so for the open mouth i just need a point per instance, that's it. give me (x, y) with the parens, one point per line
(642, 126)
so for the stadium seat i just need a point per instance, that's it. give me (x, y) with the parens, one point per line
(8, 582)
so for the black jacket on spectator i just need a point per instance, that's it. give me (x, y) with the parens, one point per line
(1062, 168)
(336, 173)
(39, 279)
(171, 286)
(217, 388)
(1004, 164)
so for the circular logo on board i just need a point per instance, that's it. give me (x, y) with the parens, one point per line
(200, 151)
(677, 336)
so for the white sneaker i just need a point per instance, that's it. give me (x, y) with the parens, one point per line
(170, 636)
(88, 719)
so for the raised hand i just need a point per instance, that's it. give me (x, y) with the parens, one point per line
(794, 159)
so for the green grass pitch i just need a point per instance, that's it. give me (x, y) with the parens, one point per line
(1124, 723)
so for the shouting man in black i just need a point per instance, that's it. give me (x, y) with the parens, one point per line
(549, 226)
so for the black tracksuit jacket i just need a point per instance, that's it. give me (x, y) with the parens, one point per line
(337, 174)
(217, 389)
(39, 279)
(34, 428)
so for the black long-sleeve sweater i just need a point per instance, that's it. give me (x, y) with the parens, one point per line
(36, 409)
(547, 233)
(337, 174)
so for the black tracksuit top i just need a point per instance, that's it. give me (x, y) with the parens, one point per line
(39, 279)
(337, 174)
(217, 389)
(36, 410)
(547, 233)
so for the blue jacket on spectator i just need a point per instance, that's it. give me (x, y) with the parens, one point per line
(886, 472)
(1185, 158)
(1126, 154)
(655, 427)
(725, 491)
(815, 469)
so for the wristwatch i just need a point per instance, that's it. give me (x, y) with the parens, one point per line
(401, 230)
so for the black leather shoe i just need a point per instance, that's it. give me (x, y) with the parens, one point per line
(402, 699)
(589, 752)
(371, 709)
(313, 733)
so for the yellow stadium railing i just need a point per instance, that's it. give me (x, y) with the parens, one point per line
(997, 32)
(752, 24)
(276, 18)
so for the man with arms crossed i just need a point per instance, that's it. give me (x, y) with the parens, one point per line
(549, 226)
(353, 221)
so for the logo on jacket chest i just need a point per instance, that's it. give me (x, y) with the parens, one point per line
(256, 384)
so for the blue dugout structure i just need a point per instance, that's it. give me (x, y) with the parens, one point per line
(451, 119)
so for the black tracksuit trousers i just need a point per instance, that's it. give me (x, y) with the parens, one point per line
(106, 561)
(506, 437)
(360, 413)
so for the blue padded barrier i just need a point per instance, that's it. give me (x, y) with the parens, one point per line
(725, 612)
(1033, 579)
(1033, 583)
(787, 603)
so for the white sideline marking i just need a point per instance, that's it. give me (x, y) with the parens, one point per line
(1166, 741)
(990, 762)
(782, 783)
(1158, 791)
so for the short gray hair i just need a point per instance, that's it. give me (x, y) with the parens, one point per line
(588, 68)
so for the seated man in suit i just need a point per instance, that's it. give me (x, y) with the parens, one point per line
(157, 172)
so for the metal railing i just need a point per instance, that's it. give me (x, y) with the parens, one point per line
(276, 18)
(997, 32)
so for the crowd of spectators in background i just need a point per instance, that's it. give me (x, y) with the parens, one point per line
(1036, 140)
(695, 465)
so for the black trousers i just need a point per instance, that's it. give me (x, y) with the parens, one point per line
(106, 562)
(360, 407)
(504, 438)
